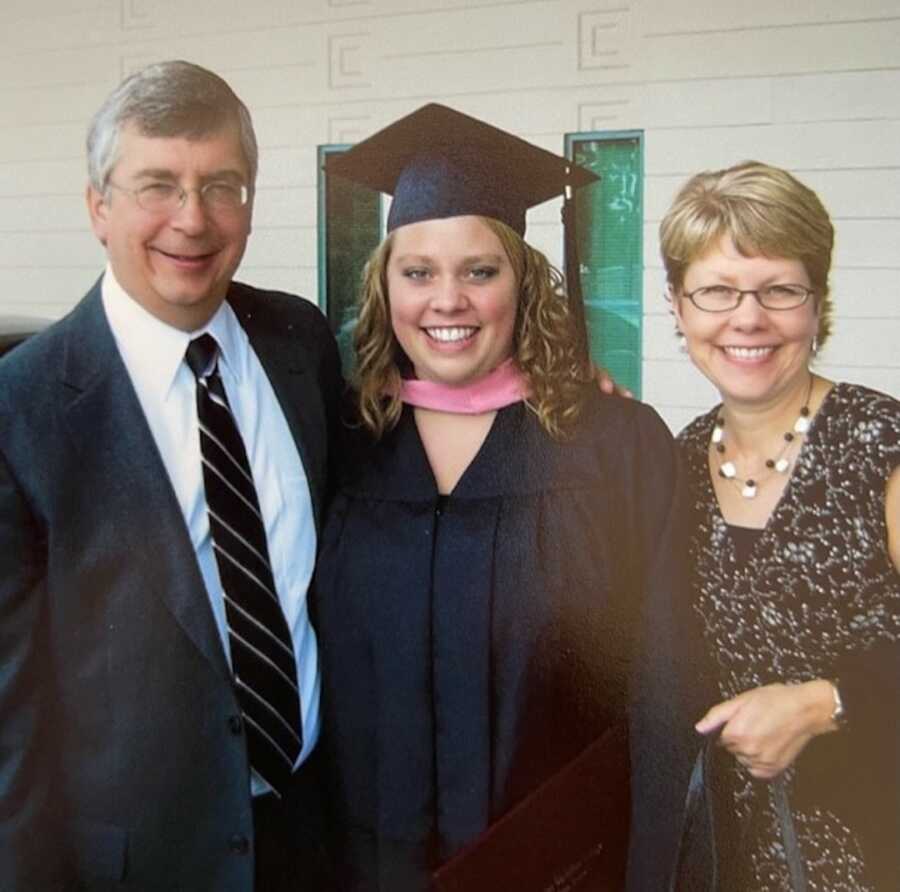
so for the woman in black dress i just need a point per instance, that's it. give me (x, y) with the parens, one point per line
(499, 531)
(796, 484)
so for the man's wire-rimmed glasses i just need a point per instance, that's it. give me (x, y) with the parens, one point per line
(217, 196)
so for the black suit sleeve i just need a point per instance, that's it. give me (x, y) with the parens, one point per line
(30, 846)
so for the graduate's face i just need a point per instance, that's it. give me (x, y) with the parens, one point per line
(453, 298)
(752, 355)
(177, 265)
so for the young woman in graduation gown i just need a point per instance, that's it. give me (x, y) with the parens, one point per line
(500, 533)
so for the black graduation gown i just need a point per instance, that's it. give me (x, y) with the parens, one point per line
(473, 645)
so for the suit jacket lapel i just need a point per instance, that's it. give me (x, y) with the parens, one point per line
(106, 424)
(296, 388)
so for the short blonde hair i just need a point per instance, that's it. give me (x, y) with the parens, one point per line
(764, 210)
(167, 99)
(546, 345)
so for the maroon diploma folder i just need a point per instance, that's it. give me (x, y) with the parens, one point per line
(570, 834)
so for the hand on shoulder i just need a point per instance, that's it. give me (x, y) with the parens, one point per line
(607, 384)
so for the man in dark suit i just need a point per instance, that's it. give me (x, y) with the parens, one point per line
(131, 756)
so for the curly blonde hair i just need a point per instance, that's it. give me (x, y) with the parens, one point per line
(765, 210)
(547, 346)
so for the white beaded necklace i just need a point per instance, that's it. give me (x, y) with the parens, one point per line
(780, 464)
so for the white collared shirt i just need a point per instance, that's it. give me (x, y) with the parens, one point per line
(153, 353)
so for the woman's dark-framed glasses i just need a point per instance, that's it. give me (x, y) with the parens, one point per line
(169, 198)
(722, 298)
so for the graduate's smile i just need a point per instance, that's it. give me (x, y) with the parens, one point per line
(459, 335)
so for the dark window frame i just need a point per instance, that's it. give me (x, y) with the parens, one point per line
(332, 306)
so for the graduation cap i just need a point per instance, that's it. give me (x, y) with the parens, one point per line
(438, 162)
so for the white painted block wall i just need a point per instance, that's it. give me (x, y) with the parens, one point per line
(813, 86)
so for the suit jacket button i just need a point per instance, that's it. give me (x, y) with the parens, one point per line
(235, 724)
(239, 844)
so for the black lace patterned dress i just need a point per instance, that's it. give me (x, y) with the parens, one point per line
(816, 596)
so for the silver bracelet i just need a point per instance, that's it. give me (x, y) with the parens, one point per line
(838, 715)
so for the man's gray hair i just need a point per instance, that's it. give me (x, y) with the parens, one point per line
(167, 99)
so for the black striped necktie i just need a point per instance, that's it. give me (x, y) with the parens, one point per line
(262, 656)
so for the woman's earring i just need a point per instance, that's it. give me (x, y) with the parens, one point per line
(682, 341)
(815, 345)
